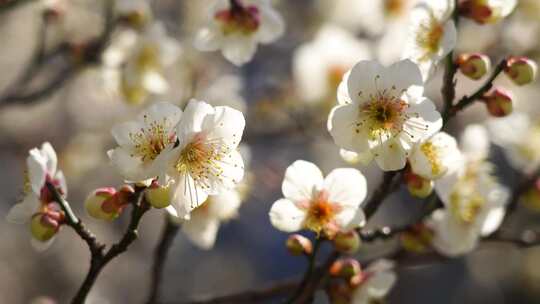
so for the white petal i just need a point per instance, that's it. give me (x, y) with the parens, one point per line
(350, 218)
(224, 205)
(346, 187)
(160, 112)
(286, 216)
(272, 25)
(37, 170)
(233, 173)
(239, 50)
(364, 79)
(192, 119)
(403, 75)
(201, 230)
(187, 195)
(493, 220)
(122, 132)
(23, 211)
(226, 124)
(390, 156)
(129, 167)
(301, 178)
(48, 152)
(62, 182)
(343, 91)
(342, 127)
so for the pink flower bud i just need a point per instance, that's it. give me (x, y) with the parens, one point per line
(43, 227)
(299, 245)
(158, 196)
(521, 70)
(477, 10)
(100, 204)
(499, 102)
(346, 268)
(417, 185)
(347, 242)
(474, 66)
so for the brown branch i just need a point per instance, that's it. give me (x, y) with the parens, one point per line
(98, 262)
(170, 230)
(6, 5)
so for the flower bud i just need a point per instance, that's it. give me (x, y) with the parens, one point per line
(418, 186)
(44, 226)
(299, 245)
(158, 196)
(486, 11)
(474, 66)
(347, 242)
(499, 102)
(99, 204)
(345, 268)
(521, 70)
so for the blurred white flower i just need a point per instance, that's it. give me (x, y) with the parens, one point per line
(37, 205)
(323, 205)
(519, 136)
(206, 161)
(487, 11)
(432, 34)
(372, 16)
(143, 72)
(474, 202)
(142, 142)
(377, 281)
(319, 66)
(204, 222)
(226, 91)
(381, 113)
(237, 29)
(435, 156)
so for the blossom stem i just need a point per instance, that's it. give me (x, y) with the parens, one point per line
(169, 232)
(75, 223)
(308, 273)
(99, 261)
(466, 101)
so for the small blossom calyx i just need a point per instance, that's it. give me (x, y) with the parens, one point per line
(347, 242)
(418, 186)
(159, 196)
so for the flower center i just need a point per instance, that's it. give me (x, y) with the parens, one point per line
(432, 154)
(465, 201)
(152, 140)
(394, 8)
(429, 36)
(148, 58)
(320, 212)
(239, 19)
(383, 116)
(203, 160)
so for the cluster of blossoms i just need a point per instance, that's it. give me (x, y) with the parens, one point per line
(188, 161)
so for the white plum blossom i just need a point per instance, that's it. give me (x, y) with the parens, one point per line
(323, 205)
(319, 66)
(435, 156)
(377, 281)
(142, 142)
(202, 227)
(206, 160)
(37, 204)
(382, 113)
(143, 72)
(519, 136)
(432, 34)
(238, 29)
(474, 202)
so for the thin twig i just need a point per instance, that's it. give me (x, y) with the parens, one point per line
(308, 273)
(170, 230)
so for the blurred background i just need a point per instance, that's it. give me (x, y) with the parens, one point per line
(285, 121)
